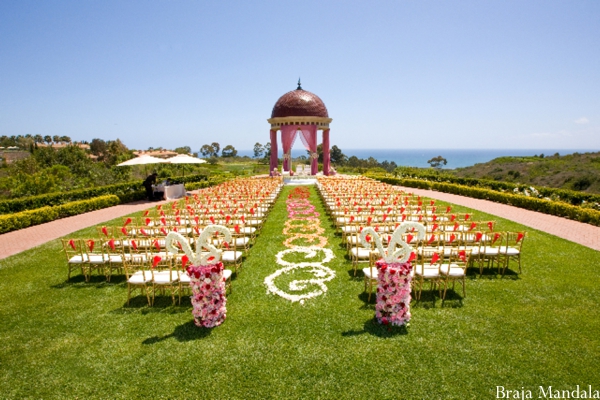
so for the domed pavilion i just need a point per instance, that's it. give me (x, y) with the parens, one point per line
(304, 113)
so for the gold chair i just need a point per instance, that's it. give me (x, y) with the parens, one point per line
(135, 264)
(428, 270)
(511, 250)
(231, 255)
(455, 269)
(358, 253)
(74, 252)
(95, 258)
(114, 256)
(489, 250)
(164, 277)
(371, 274)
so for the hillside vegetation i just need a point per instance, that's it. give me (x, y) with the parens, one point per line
(575, 171)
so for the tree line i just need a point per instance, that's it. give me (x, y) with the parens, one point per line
(212, 150)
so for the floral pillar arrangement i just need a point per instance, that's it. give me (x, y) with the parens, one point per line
(393, 273)
(206, 275)
(208, 294)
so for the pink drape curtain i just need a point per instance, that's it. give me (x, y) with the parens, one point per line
(288, 137)
(309, 139)
(326, 152)
(274, 160)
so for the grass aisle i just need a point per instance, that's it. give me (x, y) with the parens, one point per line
(77, 339)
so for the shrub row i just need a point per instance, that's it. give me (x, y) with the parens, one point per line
(127, 192)
(568, 196)
(545, 206)
(38, 216)
(188, 179)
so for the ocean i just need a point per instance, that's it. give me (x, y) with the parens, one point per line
(418, 157)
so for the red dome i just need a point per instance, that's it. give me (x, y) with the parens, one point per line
(299, 103)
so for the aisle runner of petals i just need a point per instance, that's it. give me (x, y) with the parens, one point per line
(302, 227)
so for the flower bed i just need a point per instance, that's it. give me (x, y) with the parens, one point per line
(304, 236)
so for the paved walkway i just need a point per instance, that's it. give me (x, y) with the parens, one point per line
(25, 239)
(578, 232)
(28, 238)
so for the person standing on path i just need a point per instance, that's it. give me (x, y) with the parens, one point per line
(150, 180)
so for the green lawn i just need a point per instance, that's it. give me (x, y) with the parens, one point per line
(74, 339)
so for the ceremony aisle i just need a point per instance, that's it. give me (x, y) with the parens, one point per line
(74, 339)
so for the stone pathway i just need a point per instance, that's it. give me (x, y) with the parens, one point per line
(578, 232)
(28, 238)
(587, 235)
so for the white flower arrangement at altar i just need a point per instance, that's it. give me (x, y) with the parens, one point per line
(206, 275)
(393, 274)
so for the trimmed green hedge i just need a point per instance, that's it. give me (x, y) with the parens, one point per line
(567, 196)
(127, 192)
(197, 185)
(187, 179)
(40, 215)
(545, 206)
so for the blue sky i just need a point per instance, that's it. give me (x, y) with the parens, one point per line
(393, 74)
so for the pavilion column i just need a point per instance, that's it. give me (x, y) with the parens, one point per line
(326, 152)
(314, 166)
(274, 160)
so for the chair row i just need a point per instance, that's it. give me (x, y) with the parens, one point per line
(489, 250)
(436, 268)
(139, 250)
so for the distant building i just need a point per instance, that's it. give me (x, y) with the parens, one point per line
(12, 153)
(61, 145)
(156, 153)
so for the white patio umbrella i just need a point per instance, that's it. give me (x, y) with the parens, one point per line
(185, 159)
(142, 160)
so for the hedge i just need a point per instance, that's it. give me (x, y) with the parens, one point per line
(568, 196)
(40, 215)
(127, 192)
(545, 206)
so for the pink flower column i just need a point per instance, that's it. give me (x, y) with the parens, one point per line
(208, 294)
(274, 161)
(393, 293)
(326, 152)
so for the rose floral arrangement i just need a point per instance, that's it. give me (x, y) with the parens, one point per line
(393, 293)
(393, 273)
(208, 294)
(206, 275)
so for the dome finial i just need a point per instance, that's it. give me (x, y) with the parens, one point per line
(299, 86)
